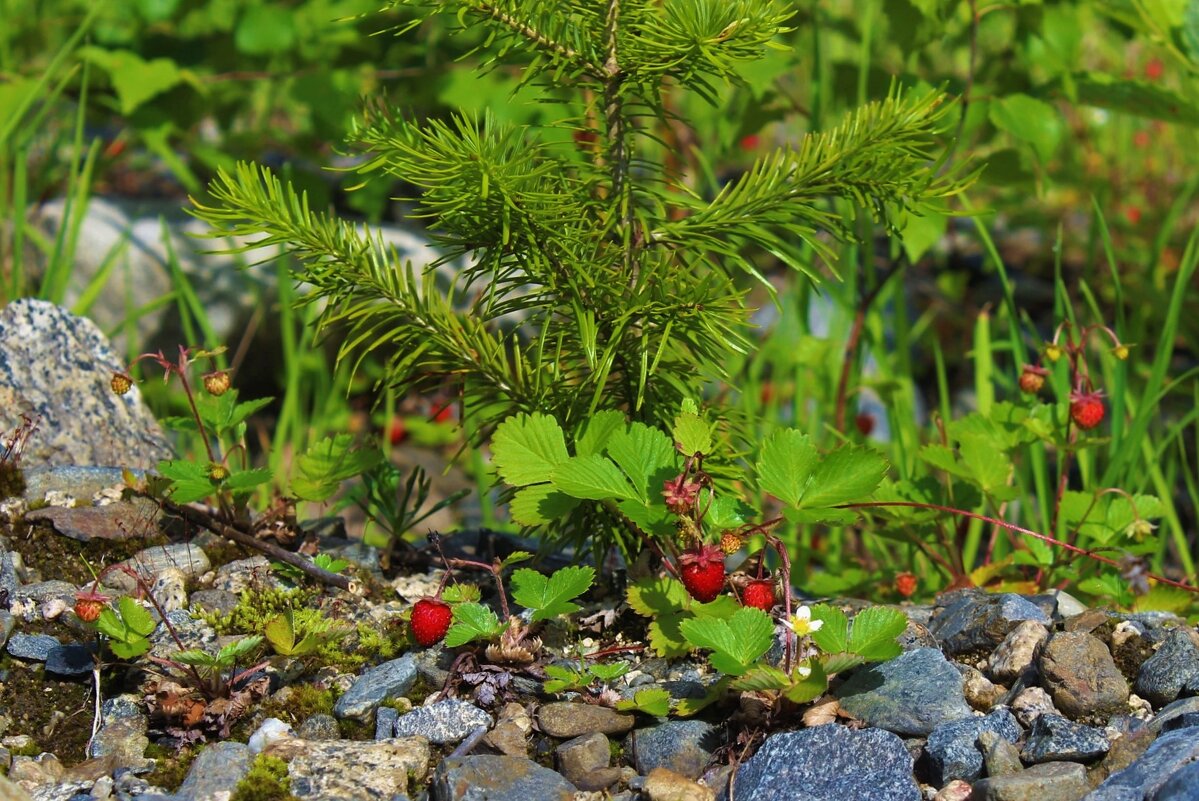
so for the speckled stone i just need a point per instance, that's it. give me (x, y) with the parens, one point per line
(376, 685)
(35, 647)
(1053, 781)
(189, 559)
(1168, 754)
(58, 366)
(444, 722)
(1176, 663)
(1081, 677)
(952, 750)
(352, 770)
(1053, 738)
(565, 720)
(498, 778)
(969, 620)
(216, 771)
(910, 695)
(683, 746)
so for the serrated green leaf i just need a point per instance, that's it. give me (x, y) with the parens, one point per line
(786, 464)
(665, 636)
(692, 434)
(833, 635)
(723, 511)
(761, 678)
(653, 701)
(525, 449)
(322, 468)
(805, 688)
(136, 617)
(595, 478)
(989, 466)
(1029, 120)
(562, 679)
(457, 593)
(608, 672)
(655, 520)
(244, 481)
(515, 558)
(839, 663)
(723, 607)
(472, 621)
(135, 80)
(598, 431)
(234, 651)
(647, 458)
(195, 657)
(846, 475)
(130, 649)
(656, 596)
(735, 643)
(326, 562)
(540, 504)
(873, 634)
(281, 633)
(551, 597)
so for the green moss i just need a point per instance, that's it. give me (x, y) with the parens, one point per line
(170, 766)
(299, 703)
(31, 750)
(48, 710)
(266, 781)
(255, 607)
(12, 480)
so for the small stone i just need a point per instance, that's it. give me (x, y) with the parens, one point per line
(1055, 739)
(583, 754)
(388, 680)
(910, 695)
(319, 727)
(952, 751)
(666, 785)
(970, 620)
(683, 746)
(498, 778)
(956, 790)
(979, 691)
(188, 558)
(216, 771)
(1183, 785)
(1168, 754)
(1081, 677)
(1000, 756)
(442, 723)
(1164, 675)
(1053, 781)
(385, 722)
(599, 779)
(220, 602)
(1067, 604)
(72, 659)
(352, 770)
(1015, 654)
(565, 720)
(829, 763)
(1030, 703)
(271, 730)
(508, 739)
(36, 647)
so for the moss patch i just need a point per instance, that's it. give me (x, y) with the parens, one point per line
(266, 781)
(170, 766)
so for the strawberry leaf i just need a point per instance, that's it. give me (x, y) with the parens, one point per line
(833, 636)
(656, 596)
(472, 621)
(592, 477)
(551, 597)
(735, 643)
(808, 687)
(655, 701)
(527, 448)
(845, 475)
(608, 672)
(646, 456)
(598, 431)
(692, 433)
(874, 631)
(786, 464)
(760, 679)
(665, 636)
(321, 469)
(539, 504)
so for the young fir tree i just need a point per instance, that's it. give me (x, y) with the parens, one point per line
(628, 285)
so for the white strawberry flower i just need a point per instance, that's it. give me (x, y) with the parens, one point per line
(802, 624)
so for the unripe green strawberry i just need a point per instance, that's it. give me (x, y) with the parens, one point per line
(121, 383)
(430, 621)
(217, 383)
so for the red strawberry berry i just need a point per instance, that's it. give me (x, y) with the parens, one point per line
(1086, 409)
(759, 594)
(1032, 378)
(905, 584)
(865, 423)
(430, 621)
(702, 572)
(89, 604)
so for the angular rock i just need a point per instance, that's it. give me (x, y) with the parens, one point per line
(956, 790)
(1055, 739)
(1081, 677)
(35, 647)
(498, 778)
(58, 367)
(511, 733)
(1052, 781)
(583, 754)
(980, 692)
(1030, 703)
(216, 771)
(444, 722)
(322, 727)
(1168, 754)
(910, 695)
(1183, 785)
(115, 521)
(376, 685)
(599, 779)
(565, 720)
(828, 763)
(1015, 654)
(952, 751)
(186, 557)
(72, 659)
(122, 734)
(970, 620)
(1000, 757)
(666, 785)
(385, 722)
(1164, 675)
(271, 731)
(683, 746)
(352, 770)
(1172, 711)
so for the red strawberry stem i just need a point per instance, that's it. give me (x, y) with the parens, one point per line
(496, 569)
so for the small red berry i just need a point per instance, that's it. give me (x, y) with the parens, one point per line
(89, 604)
(864, 423)
(702, 572)
(443, 413)
(750, 142)
(1141, 139)
(1086, 409)
(1132, 214)
(397, 432)
(1154, 69)
(759, 594)
(1032, 378)
(905, 584)
(430, 621)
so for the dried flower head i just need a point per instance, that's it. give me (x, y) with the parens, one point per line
(121, 383)
(217, 383)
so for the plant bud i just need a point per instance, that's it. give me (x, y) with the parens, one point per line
(121, 383)
(217, 383)
(218, 472)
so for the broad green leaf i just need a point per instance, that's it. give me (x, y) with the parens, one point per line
(457, 593)
(692, 434)
(989, 466)
(873, 634)
(472, 621)
(551, 597)
(666, 638)
(135, 80)
(686, 707)
(761, 678)
(735, 643)
(136, 617)
(846, 475)
(922, 231)
(723, 607)
(241, 411)
(233, 652)
(646, 457)
(562, 679)
(322, 468)
(593, 477)
(833, 635)
(1190, 30)
(805, 688)
(244, 481)
(598, 431)
(654, 520)
(515, 558)
(723, 511)
(656, 596)
(281, 633)
(264, 30)
(841, 662)
(654, 701)
(786, 464)
(1030, 120)
(608, 672)
(540, 504)
(525, 449)
(196, 657)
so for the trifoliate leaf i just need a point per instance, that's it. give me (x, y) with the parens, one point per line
(654, 701)
(873, 634)
(692, 434)
(839, 663)
(786, 464)
(281, 633)
(655, 519)
(551, 597)
(540, 504)
(322, 468)
(735, 643)
(189, 480)
(609, 672)
(656, 596)
(846, 475)
(458, 593)
(598, 432)
(136, 618)
(833, 635)
(592, 477)
(760, 679)
(472, 621)
(646, 456)
(243, 481)
(562, 679)
(808, 682)
(525, 449)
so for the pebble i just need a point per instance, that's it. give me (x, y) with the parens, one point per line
(272, 730)
(72, 659)
(353, 770)
(189, 559)
(1054, 738)
(683, 746)
(1052, 781)
(910, 695)
(1030, 703)
(564, 720)
(1168, 754)
(1163, 676)
(498, 778)
(1000, 756)
(443, 722)
(1082, 679)
(970, 620)
(666, 785)
(216, 771)
(1015, 654)
(35, 647)
(376, 685)
(952, 751)
(320, 727)
(582, 755)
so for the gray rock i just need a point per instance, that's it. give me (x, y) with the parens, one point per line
(969, 620)
(1175, 710)
(1016, 653)
(599, 779)
(1030, 703)
(1164, 675)
(388, 680)
(7, 623)
(910, 695)
(444, 722)
(1081, 676)
(352, 770)
(222, 602)
(683, 746)
(43, 591)
(565, 720)
(185, 557)
(498, 778)
(36, 647)
(1182, 786)
(216, 771)
(1053, 781)
(828, 763)
(1183, 721)
(8, 575)
(320, 727)
(1168, 754)
(1053, 738)
(582, 755)
(59, 367)
(79, 481)
(115, 521)
(1000, 757)
(952, 751)
(385, 722)
(192, 632)
(72, 659)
